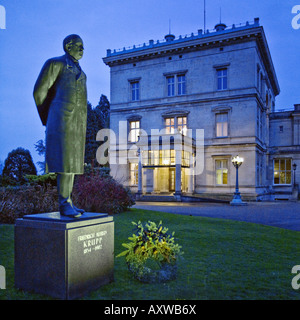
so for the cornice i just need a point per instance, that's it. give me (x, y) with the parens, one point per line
(124, 107)
(194, 44)
(201, 42)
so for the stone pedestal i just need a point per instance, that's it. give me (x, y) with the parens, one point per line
(64, 257)
(295, 193)
(237, 200)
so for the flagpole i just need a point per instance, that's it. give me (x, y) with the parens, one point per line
(204, 16)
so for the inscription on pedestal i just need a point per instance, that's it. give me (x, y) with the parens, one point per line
(70, 257)
(92, 241)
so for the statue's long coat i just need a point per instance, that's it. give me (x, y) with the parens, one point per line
(61, 98)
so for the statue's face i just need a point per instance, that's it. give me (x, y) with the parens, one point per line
(75, 49)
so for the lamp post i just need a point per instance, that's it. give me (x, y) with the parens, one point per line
(295, 192)
(140, 181)
(294, 167)
(237, 200)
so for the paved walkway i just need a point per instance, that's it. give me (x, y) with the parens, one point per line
(277, 214)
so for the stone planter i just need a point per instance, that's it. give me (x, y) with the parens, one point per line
(167, 272)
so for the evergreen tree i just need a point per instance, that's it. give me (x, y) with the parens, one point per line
(17, 164)
(41, 150)
(97, 119)
(91, 144)
(103, 111)
(1, 166)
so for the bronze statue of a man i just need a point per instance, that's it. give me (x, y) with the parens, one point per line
(61, 98)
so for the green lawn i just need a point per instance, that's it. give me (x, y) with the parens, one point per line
(222, 259)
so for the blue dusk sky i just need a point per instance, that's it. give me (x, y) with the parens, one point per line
(34, 31)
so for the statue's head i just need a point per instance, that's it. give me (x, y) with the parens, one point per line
(73, 45)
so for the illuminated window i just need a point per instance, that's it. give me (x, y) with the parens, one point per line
(160, 157)
(282, 171)
(185, 158)
(182, 125)
(134, 131)
(221, 124)
(170, 125)
(179, 123)
(166, 157)
(133, 174)
(221, 172)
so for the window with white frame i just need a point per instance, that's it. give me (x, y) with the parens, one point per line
(181, 85)
(221, 171)
(178, 122)
(135, 90)
(222, 79)
(134, 130)
(222, 124)
(171, 86)
(176, 83)
(282, 171)
(170, 125)
(133, 174)
(182, 125)
(166, 158)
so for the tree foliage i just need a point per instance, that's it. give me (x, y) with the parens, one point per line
(18, 164)
(41, 150)
(97, 119)
(102, 111)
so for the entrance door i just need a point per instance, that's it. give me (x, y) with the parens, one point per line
(172, 179)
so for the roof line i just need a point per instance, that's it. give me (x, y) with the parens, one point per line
(180, 39)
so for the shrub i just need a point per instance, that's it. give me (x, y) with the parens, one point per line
(44, 180)
(99, 192)
(17, 164)
(7, 181)
(94, 191)
(151, 242)
(15, 202)
(152, 253)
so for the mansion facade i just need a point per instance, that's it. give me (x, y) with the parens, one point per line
(182, 108)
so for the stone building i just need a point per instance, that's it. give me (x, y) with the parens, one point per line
(181, 108)
(284, 153)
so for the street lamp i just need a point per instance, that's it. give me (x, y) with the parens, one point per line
(237, 200)
(294, 167)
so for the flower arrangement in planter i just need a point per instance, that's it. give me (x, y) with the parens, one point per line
(152, 254)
